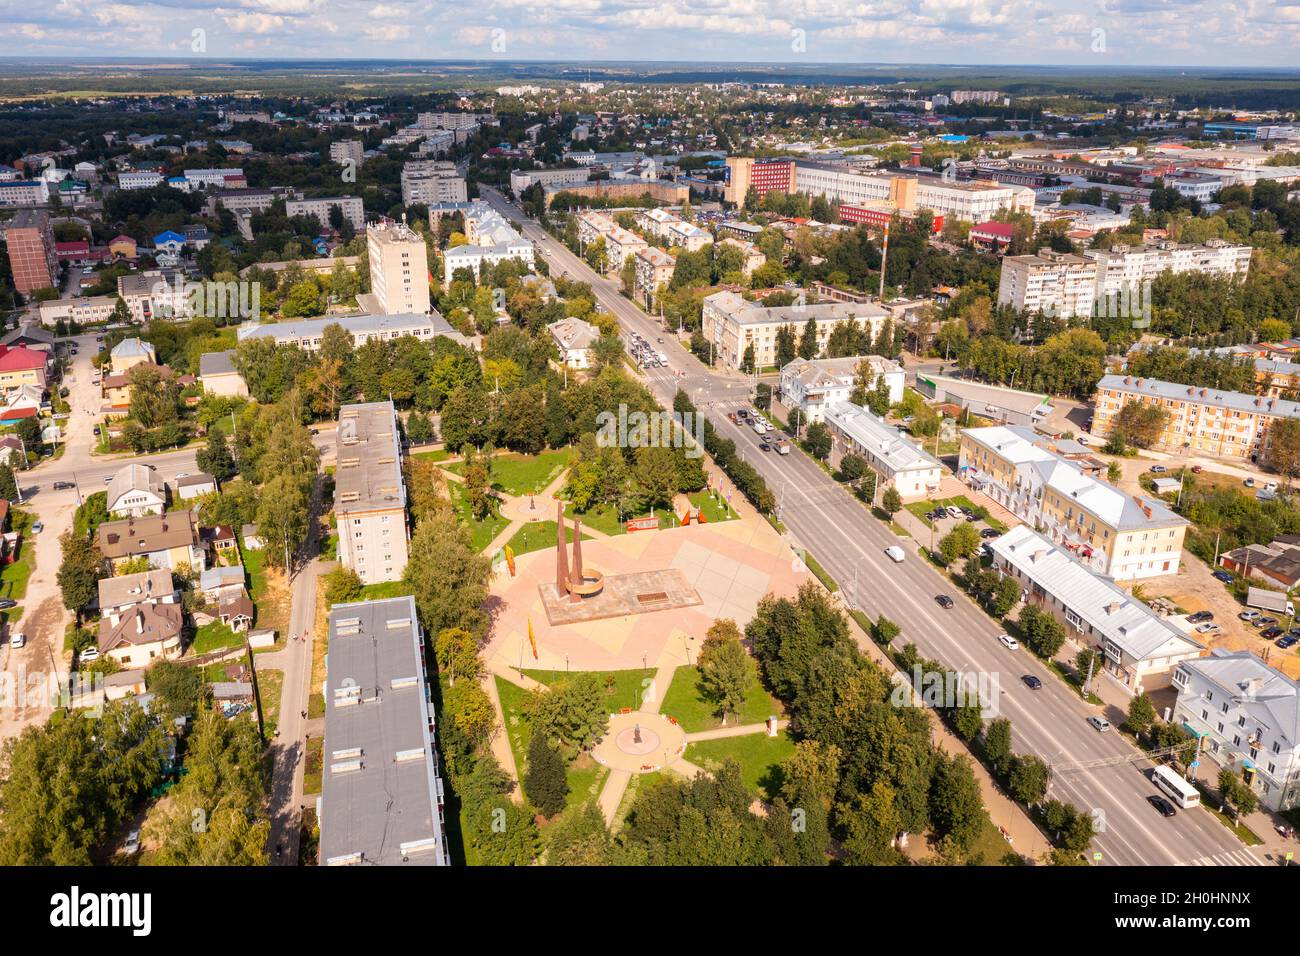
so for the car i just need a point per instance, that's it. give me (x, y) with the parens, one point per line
(90, 653)
(63, 485)
(1164, 806)
(1101, 724)
(17, 639)
(1009, 642)
(38, 527)
(1224, 576)
(6, 603)
(990, 533)
(182, 474)
(1263, 622)
(1271, 487)
(1158, 469)
(108, 479)
(1200, 616)
(1032, 682)
(972, 517)
(943, 601)
(986, 549)
(1209, 627)
(1249, 482)
(1270, 633)
(661, 339)
(1082, 439)
(1197, 469)
(1289, 640)
(132, 844)
(954, 511)
(1249, 615)
(765, 445)
(895, 553)
(732, 417)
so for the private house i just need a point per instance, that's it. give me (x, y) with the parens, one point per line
(142, 633)
(129, 353)
(217, 584)
(812, 385)
(218, 375)
(30, 336)
(1247, 717)
(154, 586)
(1277, 562)
(136, 491)
(20, 365)
(168, 540)
(195, 485)
(1139, 648)
(573, 339)
(220, 540)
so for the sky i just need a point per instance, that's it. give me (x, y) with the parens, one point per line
(1101, 33)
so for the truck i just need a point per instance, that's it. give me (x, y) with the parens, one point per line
(783, 447)
(1266, 600)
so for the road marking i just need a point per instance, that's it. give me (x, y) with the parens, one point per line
(1230, 858)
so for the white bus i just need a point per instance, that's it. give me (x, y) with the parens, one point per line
(1175, 787)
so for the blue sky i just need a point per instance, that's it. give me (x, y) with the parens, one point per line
(1089, 32)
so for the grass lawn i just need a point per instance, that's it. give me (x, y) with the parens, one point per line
(482, 532)
(524, 474)
(991, 848)
(13, 579)
(820, 572)
(314, 766)
(438, 454)
(603, 518)
(537, 535)
(759, 757)
(585, 779)
(215, 636)
(623, 688)
(714, 509)
(685, 700)
(385, 589)
(919, 508)
(270, 684)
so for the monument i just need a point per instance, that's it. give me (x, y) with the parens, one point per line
(576, 582)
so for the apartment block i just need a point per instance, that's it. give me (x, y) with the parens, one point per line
(1128, 537)
(813, 385)
(382, 797)
(733, 323)
(320, 209)
(492, 239)
(654, 268)
(1051, 283)
(428, 182)
(345, 151)
(1124, 267)
(369, 496)
(896, 459)
(1200, 420)
(307, 333)
(399, 268)
(32, 259)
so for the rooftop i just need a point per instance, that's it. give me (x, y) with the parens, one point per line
(1268, 695)
(884, 441)
(744, 312)
(217, 363)
(135, 588)
(368, 475)
(1234, 401)
(381, 795)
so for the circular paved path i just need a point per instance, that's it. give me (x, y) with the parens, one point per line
(661, 742)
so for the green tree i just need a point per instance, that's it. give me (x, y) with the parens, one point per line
(178, 690)
(457, 654)
(1283, 447)
(955, 804)
(342, 586)
(725, 671)
(960, 542)
(883, 631)
(808, 347)
(282, 519)
(1042, 632)
(8, 483)
(997, 744)
(1028, 779)
(80, 571)
(1005, 595)
(215, 458)
(447, 576)
(891, 502)
(545, 783)
(1141, 714)
(818, 441)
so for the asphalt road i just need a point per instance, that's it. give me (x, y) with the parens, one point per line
(849, 543)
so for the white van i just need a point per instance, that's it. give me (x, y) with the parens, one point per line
(760, 426)
(17, 639)
(895, 553)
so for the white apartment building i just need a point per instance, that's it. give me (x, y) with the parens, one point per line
(674, 230)
(812, 386)
(492, 240)
(521, 180)
(1050, 283)
(654, 268)
(971, 201)
(369, 496)
(24, 192)
(139, 179)
(1125, 267)
(399, 268)
(346, 151)
(431, 181)
(307, 333)
(895, 458)
(82, 309)
(1247, 716)
(319, 209)
(208, 178)
(732, 324)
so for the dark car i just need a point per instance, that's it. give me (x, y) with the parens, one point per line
(1164, 806)
(1270, 633)
(63, 485)
(765, 445)
(6, 603)
(1223, 576)
(1289, 641)
(990, 533)
(1032, 682)
(1200, 617)
(943, 601)
(1264, 621)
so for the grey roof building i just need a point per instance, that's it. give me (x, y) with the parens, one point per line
(382, 795)
(306, 333)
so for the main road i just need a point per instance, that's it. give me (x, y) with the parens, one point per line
(850, 544)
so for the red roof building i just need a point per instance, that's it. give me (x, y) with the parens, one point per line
(20, 365)
(993, 235)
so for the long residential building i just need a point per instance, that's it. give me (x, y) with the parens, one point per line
(307, 333)
(1200, 420)
(32, 259)
(898, 461)
(351, 207)
(620, 244)
(382, 798)
(428, 181)
(732, 324)
(492, 240)
(1139, 648)
(369, 495)
(1246, 716)
(1127, 537)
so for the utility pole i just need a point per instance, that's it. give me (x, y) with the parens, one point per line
(884, 257)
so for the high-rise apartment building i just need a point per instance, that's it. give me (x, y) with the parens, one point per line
(399, 268)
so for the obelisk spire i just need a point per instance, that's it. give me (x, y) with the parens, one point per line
(561, 559)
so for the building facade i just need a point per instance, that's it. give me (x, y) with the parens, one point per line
(399, 268)
(32, 259)
(898, 461)
(369, 495)
(732, 324)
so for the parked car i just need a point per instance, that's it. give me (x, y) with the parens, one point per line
(1009, 642)
(17, 639)
(1032, 682)
(132, 845)
(1200, 616)
(990, 533)
(1099, 723)
(1164, 806)
(1249, 482)
(1289, 641)
(1209, 627)
(943, 601)
(1197, 469)
(38, 527)
(6, 603)
(89, 654)
(895, 553)
(1270, 633)
(108, 479)
(954, 511)
(1224, 576)
(1263, 622)
(1249, 615)
(1158, 469)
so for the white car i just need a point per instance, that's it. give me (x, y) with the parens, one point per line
(954, 512)
(1209, 627)
(1009, 642)
(17, 639)
(1100, 723)
(132, 844)
(90, 654)
(895, 553)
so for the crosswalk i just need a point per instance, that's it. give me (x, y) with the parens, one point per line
(1228, 858)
